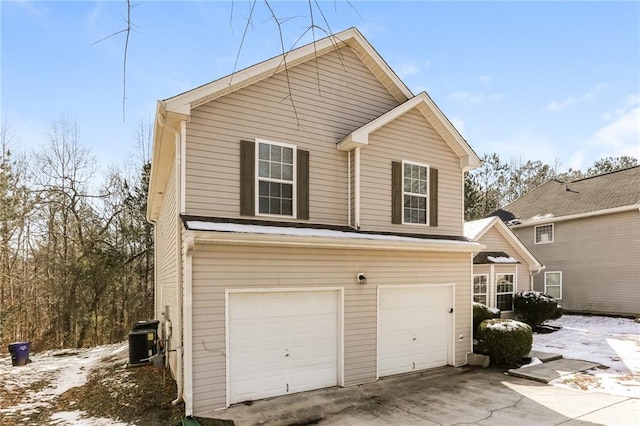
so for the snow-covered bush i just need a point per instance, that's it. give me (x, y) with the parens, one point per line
(505, 341)
(482, 312)
(535, 307)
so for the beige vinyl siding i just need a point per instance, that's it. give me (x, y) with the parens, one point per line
(167, 248)
(494, 241)
(331, 100)
(599, 258)
(412, 138)
(216, 268)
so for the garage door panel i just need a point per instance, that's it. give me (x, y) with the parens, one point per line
(414, 328)
(282, 342)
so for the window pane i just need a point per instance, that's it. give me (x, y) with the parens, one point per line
(423, 187)
(423, 173)
(414, 216)
(480, 299)
(407, 185)
(553, 279)
(264, 204)
(274, 190)
(422, 203)
(407, 201)
(287, 155)
(264, 151)
(415, 172)
(554, 291)
(287, 207)
(276, 171)
(287, 172)
(263, 168)
(504, 302)
(407, 215)
(264, 188)
(422, 216)
(276, 153)
(274, 204)
(407, 170)
(287, 191)
(415, 186)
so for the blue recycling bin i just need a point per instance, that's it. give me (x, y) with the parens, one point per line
(19, 353)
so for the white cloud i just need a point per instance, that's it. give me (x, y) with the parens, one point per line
(406, 68)
(571, 100)
(475, 98)
(458, 123)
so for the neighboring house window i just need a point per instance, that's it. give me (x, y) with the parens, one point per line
(504, 291)
(415, 192)
(480, 288)
(260, 168)
(544, 234)
(275, 177)
(553, 284)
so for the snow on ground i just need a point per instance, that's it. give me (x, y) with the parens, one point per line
(612, 342)
(49, 375)
(77, 418)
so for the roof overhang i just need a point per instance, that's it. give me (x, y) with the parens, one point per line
(551, 219)
(514, 241)
(255, 235)
(360, 137)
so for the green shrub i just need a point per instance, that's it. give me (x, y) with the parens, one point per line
(482, 312)
(558, 313)
(505, 341)
(535, 307)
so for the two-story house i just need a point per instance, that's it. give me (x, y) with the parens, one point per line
(308, 217)
(587, 234)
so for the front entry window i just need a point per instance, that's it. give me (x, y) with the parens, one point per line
(504, 292)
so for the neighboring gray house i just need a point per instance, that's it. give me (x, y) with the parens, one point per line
(587, 234)
(309, 245)
(503, 268)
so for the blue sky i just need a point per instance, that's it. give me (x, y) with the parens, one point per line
(550, 81)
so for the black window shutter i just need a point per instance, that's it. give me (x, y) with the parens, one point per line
(396, 192)
(433, 197)
(302, 176)
(247, 178)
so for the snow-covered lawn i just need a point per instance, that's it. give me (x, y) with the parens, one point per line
(612, 342)
(31, 389)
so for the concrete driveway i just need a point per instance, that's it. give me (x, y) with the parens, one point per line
(448, 396)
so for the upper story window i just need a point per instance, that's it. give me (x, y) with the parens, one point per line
(275, 178)
(543, 234)
(415, 192)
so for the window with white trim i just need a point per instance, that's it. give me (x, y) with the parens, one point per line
(480, 285)
(415, 193)
(543, 234)
(553, 284)
(275, 163)
(504, 291)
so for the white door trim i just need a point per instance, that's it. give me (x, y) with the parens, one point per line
(340, 343)
(450, 346)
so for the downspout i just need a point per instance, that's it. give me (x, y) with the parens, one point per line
(188, 315)
(532, 273)
(179, 325)
(357, 188)
(349, 188)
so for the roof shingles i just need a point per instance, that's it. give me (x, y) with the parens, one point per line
(556, 199)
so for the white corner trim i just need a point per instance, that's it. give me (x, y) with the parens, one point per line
(188, 330)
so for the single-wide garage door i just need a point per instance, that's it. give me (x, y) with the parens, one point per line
(282, 342)
(414, 328)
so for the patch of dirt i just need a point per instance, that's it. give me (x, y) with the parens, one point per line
(583, 381)
(136, 395)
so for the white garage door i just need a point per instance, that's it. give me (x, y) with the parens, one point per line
(282, 342)
(414, 328)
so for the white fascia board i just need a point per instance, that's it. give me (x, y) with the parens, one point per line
(248, 239)
(551, 219)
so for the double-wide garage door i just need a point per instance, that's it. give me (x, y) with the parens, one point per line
(415, 326)
(282, 342)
